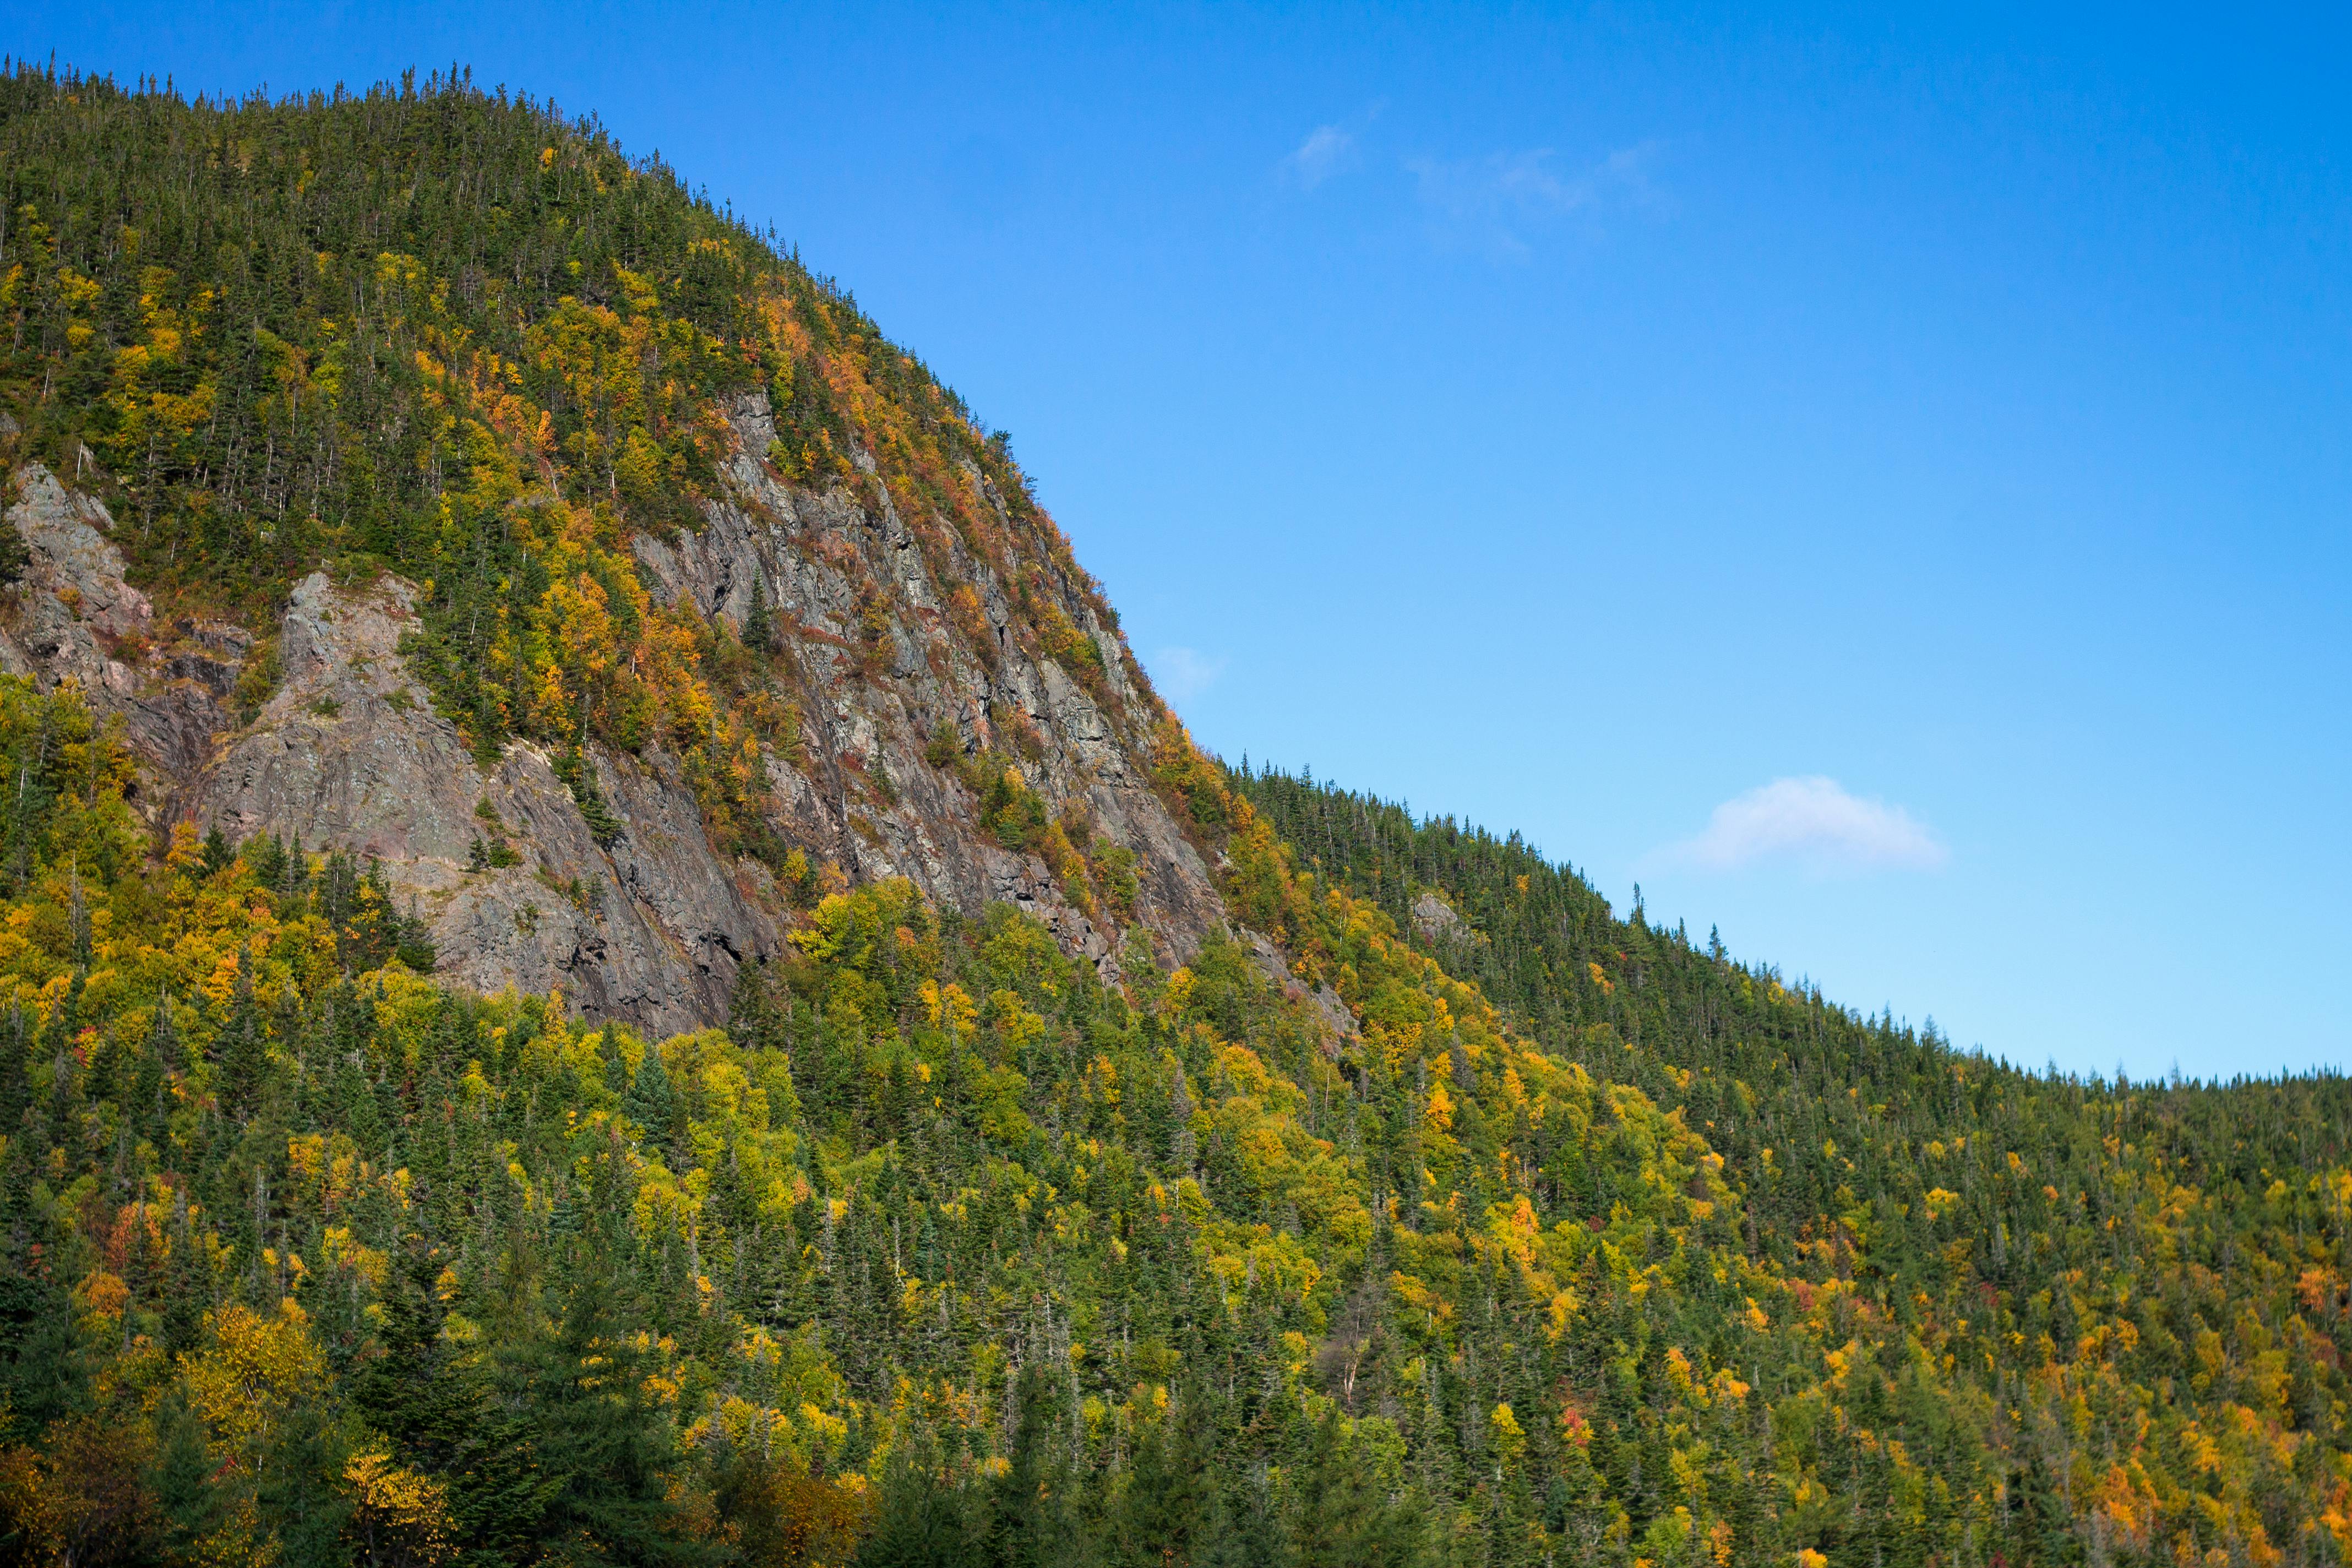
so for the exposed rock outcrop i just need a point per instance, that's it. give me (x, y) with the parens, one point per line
(75, 618)
(351, 751)
(1436, 920)
(830, 570)
(651, 925)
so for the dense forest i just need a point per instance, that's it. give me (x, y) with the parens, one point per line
(1579, 1243)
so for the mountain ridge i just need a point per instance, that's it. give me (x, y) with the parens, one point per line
(912, 609)
(991, 1131)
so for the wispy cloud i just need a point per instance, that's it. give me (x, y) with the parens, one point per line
(1326, 150)
(1183, 673)
(1814, 821)
(1496, 200)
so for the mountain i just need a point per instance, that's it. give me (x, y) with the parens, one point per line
(498, 492)
(607, 958)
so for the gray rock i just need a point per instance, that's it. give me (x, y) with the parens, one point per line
(1435, 919)
(73, 557)
(1326, 1003)
(75, 618)
(809, 556)
(349, 750)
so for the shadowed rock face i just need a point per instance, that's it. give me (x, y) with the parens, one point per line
(651, 926)
(351, 751)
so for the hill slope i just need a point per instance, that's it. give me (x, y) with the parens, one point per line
(647, 559)
(1375, 1197)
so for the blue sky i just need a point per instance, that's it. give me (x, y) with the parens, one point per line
(1880, 485)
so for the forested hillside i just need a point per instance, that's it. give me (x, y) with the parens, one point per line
(1424, 1213)
(2068, 1290)
(602, 495)
(440, 332)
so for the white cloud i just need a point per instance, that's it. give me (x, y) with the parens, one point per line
(1480, 187)
(1493, 197)
(1323, 154)
(1183, 673)
(1814, 821)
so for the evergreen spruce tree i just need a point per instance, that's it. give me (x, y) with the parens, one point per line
(920, 1520)
(244, 1054)
(43, 1372)
(758, 625)
(183, 1478)
(1030, 1514)
(600, 1443)
(438, 1409)
(650, 1104)
(1164, 1505)
(218, 851)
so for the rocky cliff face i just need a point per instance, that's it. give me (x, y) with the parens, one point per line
(649, 928)
(885, 632)
(839, 575)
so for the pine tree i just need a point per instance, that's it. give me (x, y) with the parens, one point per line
(598, 1439)
(43, 1375)
(1030, 1515)
(218, 851)
(650, 1102)
(758, 625)
(182, 1476)
(1166, 1497)
(919, 1520)
(439, 1410)
(244, 1054)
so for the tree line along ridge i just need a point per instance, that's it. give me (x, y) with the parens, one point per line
(1576, 1243)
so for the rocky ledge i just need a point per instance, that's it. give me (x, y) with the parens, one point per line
(650, 925)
